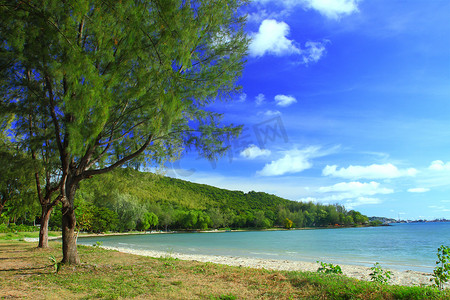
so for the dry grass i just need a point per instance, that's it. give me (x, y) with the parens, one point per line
(26, 272)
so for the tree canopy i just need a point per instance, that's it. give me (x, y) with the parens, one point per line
(112, 82)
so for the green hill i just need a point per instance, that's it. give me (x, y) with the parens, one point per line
(127, 199)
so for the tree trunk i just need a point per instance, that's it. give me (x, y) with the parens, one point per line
(69, 238)
(43, 231)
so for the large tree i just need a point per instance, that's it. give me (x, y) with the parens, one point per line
(118, 80)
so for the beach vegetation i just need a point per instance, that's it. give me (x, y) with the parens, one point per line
(56, 264)
(329, 268)
(108, 274)
(379, 275)
(441, 272)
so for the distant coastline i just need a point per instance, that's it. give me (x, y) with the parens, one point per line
(385, 220)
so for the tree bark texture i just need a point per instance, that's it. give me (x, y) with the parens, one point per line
(69, 238)
(43, 231)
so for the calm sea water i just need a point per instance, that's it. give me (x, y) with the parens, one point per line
(400, 246)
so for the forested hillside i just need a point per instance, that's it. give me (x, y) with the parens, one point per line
(127, 199)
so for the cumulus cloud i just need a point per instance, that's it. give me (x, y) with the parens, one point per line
(333, 9)
(418, 190)
(293, 161)
(254, 151)
(284, 101)
(260, 99)
(439, 165)
(271, 38)
(370, 172)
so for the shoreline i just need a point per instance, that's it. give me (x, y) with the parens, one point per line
(398, 277)
(406, 278)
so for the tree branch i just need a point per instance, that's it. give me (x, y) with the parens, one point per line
(120, 162)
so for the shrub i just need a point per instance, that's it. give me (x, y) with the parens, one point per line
(329, 268)
(442, 271)
(379, 275)
(17, 228)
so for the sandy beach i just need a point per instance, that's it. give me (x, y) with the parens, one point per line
(407, 278)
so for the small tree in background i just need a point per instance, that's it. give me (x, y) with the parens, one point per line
(288, 223)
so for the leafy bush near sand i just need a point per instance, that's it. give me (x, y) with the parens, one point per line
(17, 228)
(329, 268)
(442, 271)
(379, 275)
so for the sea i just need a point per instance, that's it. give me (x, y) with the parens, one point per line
(404, 246)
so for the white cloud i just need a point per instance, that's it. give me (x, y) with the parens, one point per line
(439, 165)
(354, 189)
(418, 190)
(270, 113)
(254, 151)
(370, 172)
(313, 51)
(260, 99)
(271, 38)
(333, 9)
(353, 193)
(293, 161)
(350, 204)
(242, 98)
(284, 101)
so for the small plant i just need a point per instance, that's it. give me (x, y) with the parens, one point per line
(329, 268)
(224, 297)
(56, 264)
(97, 244)
(379, 275)
(441, 272)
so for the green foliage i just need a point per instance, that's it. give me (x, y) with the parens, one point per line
(288, 223)
(375, 223)
(329, 268)
(56, 264)
(17, 228)
(379, 275)
(441, 272)
(17, 188)
(97, 244)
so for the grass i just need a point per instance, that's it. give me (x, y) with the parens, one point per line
(27, 273)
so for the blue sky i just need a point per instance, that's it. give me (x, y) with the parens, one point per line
(343, 101)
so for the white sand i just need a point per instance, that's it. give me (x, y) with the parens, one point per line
(407, 278)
